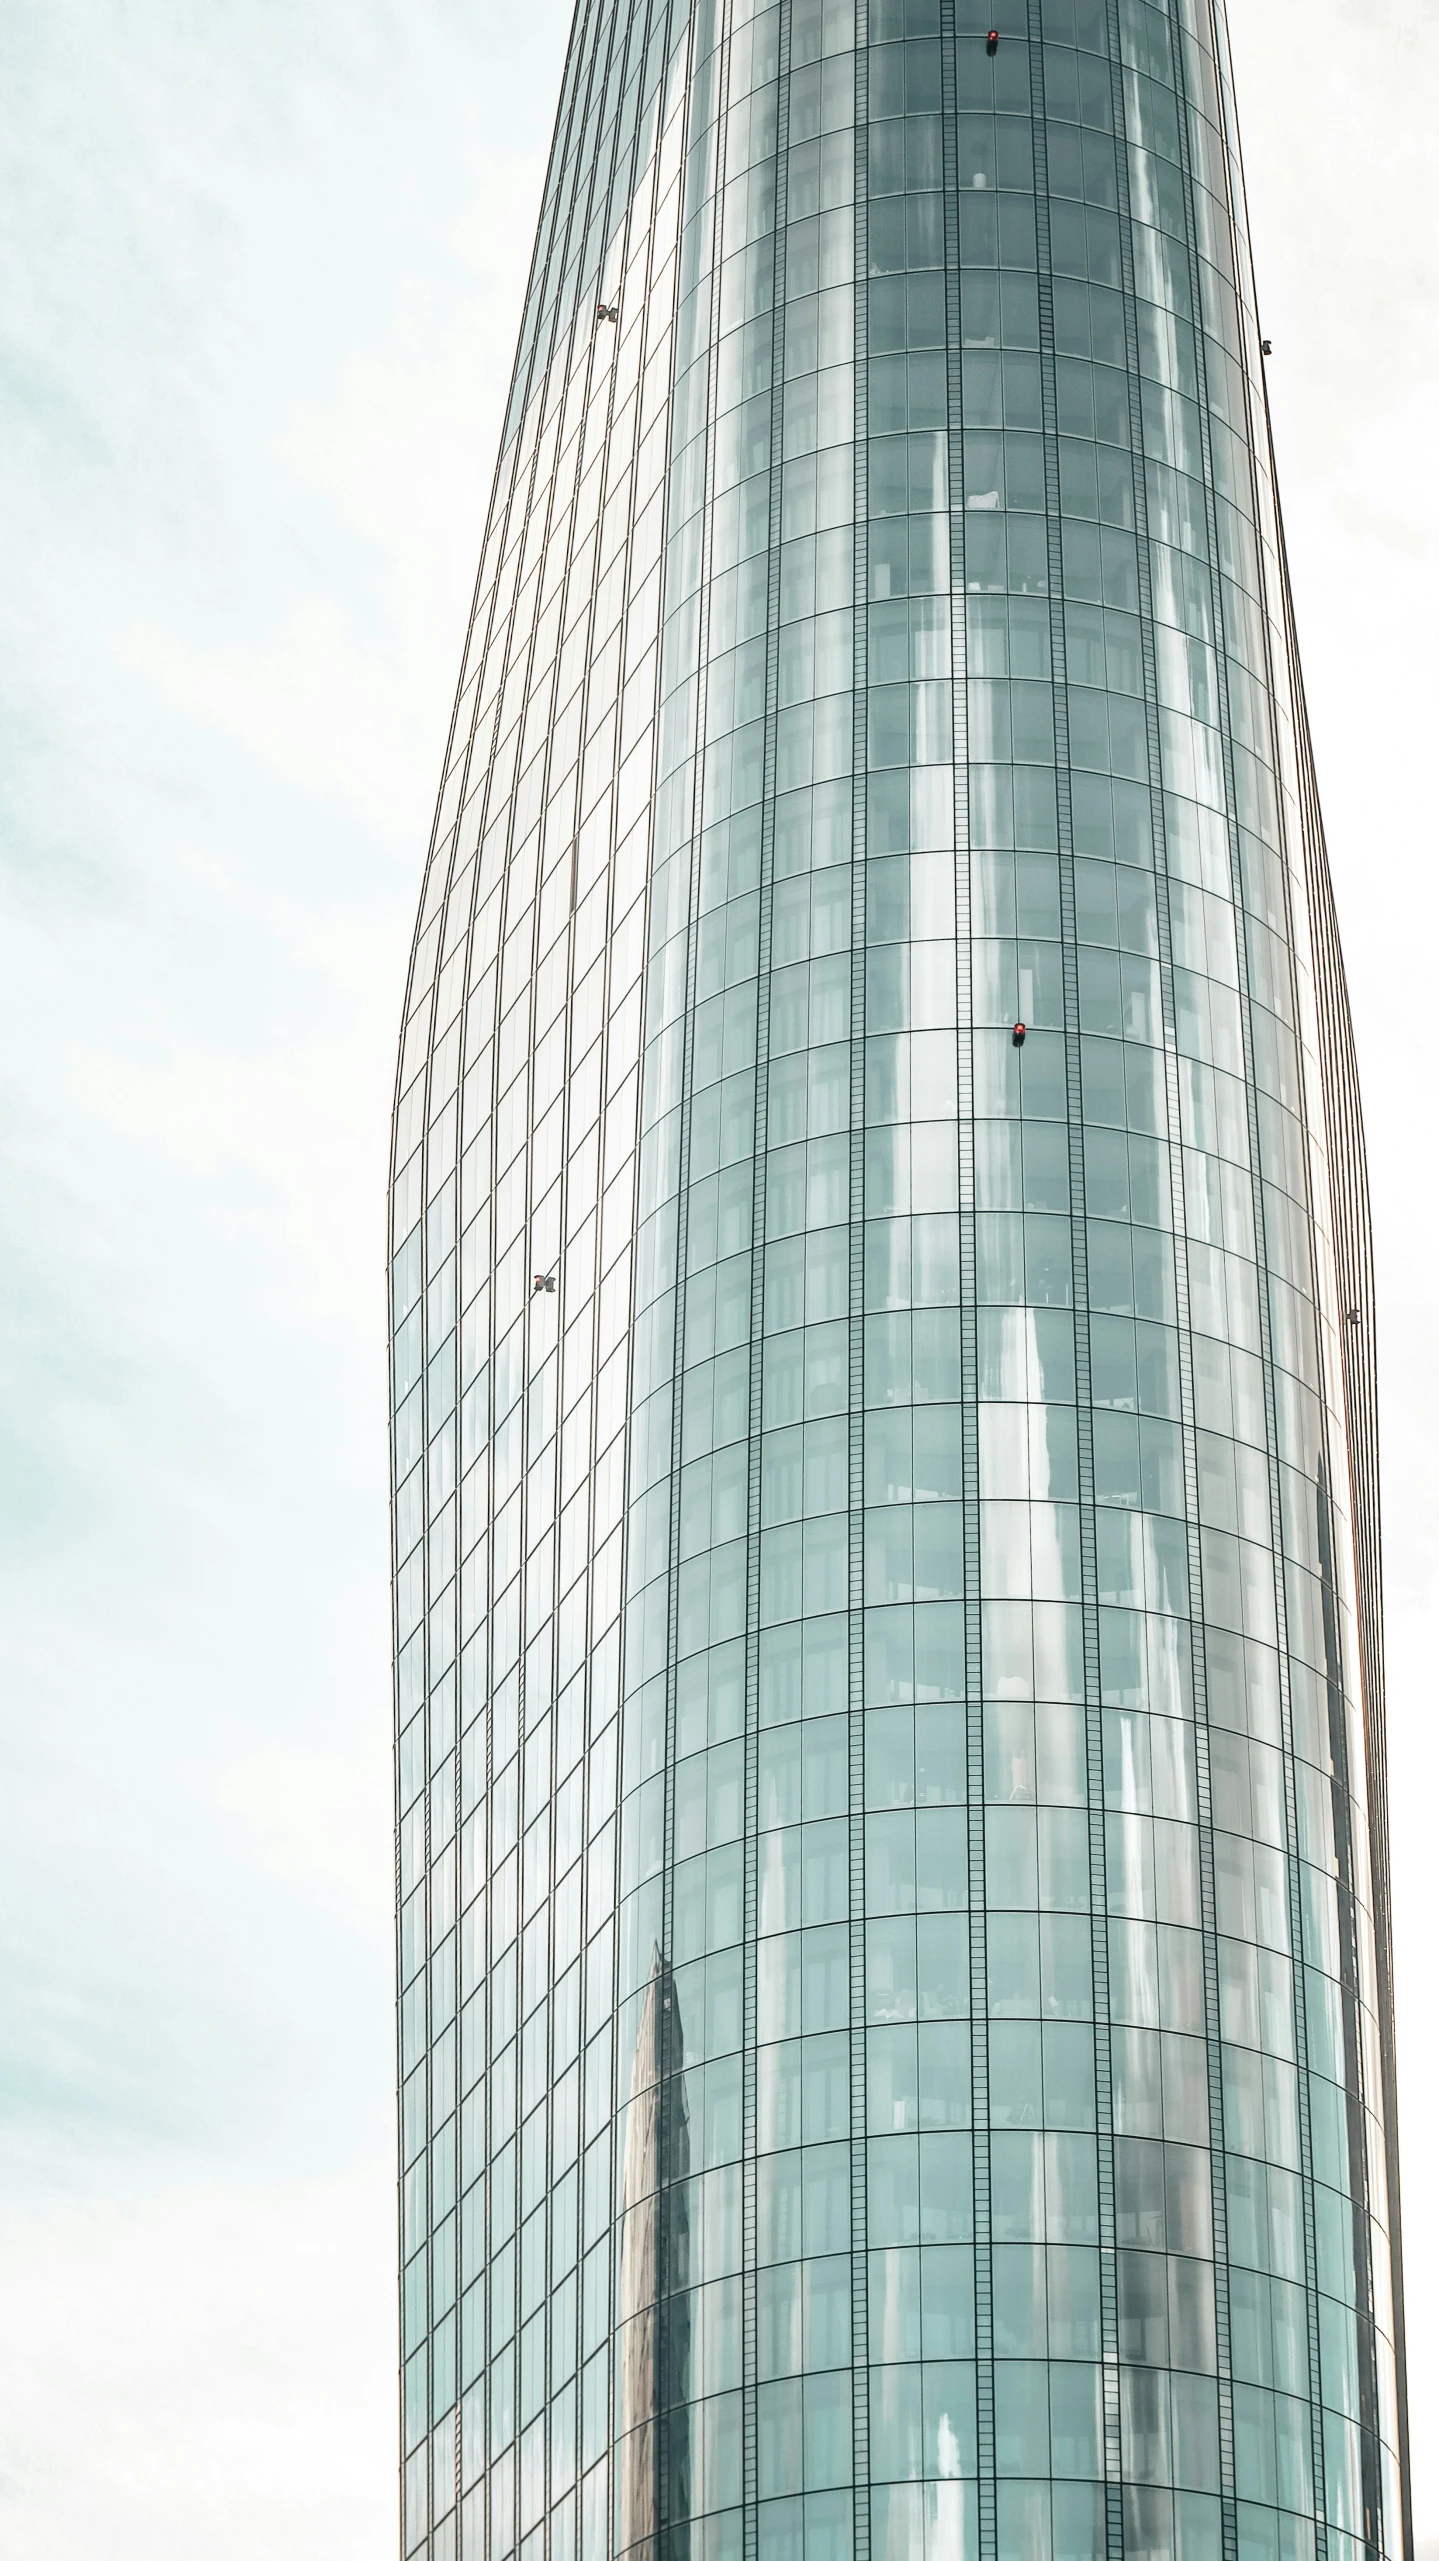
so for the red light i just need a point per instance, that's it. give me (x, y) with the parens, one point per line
(1017, 1035)
(991, 41)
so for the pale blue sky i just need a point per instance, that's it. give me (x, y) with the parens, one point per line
(259, 277)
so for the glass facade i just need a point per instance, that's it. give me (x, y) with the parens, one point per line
(895, 2030)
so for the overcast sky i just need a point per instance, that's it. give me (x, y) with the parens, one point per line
(259, 281)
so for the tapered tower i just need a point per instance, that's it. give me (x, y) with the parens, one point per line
(895, 2024)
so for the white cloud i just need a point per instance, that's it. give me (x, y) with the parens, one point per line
(203, 2368)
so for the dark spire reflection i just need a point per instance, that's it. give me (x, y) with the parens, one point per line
(654, 2381)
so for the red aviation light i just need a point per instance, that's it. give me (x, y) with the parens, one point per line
(1017, 1036)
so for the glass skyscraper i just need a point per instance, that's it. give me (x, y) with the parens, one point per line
(895, 2020)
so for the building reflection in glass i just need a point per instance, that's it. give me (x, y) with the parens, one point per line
(654, 2367)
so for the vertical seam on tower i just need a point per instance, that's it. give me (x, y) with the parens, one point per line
(686, 1103)
(858, 2004)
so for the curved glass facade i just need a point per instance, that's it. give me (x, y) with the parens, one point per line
(895, 2034)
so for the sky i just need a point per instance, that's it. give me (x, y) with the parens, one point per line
(260, 271)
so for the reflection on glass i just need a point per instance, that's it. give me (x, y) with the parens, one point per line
(654, 2365)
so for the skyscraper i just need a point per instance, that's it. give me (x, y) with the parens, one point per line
(895, 2024)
